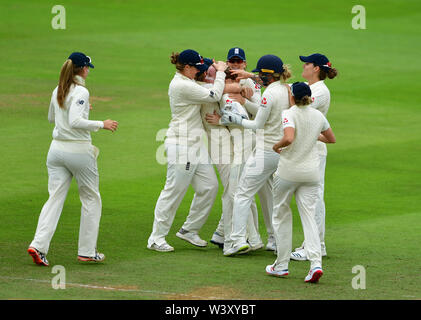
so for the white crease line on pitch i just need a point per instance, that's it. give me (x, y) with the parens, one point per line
(114, 289)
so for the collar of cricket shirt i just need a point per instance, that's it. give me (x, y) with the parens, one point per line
(79, 80)
(317, 83)
(179, 74)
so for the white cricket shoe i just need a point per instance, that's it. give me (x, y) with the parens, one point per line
(314, 275)
(236, 249)
(191, 237)
(271, 245)
(270, 270)
(217, 239)
(98, 257)
(299, 255)
(165, 247)
(253, 247)
(256, 246)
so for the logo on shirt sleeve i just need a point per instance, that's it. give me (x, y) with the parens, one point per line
(285, 121)
(81, 102)
(211, 94)
(264, 102)
(257, 86)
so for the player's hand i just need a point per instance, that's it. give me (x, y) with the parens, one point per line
(277, 148)
(90, 106)
(247, 92)
(219, 65)
(229, 117)
(213, 118)
(242, 74)
(237, 97)
(110, 125)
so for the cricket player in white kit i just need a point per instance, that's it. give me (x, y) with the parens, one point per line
(251, 97)
(188, 159)
(228, 148)
(298, 174)
(316, 69)
(71, 155)
(259, 167)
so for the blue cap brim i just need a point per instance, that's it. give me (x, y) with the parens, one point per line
(305, 59)
(236, 56)
(255, 70)
(91, 65)
(202, 67)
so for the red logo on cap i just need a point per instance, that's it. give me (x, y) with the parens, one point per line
(329, 64)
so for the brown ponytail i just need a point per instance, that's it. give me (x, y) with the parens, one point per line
(332, 73)
(174, 60)
(67, 73)
(304, 101)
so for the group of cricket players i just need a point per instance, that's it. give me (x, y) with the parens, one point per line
(264, 136)
(270, 144)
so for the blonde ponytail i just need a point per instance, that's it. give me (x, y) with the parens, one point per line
(285, 75)
(287, 72)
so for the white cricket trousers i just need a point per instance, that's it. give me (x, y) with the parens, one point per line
(258, 171)
(252, 233)
(320, 215)
(265, 196)
(306, 195)
(67, 159)
(184, 168)
(229, 175)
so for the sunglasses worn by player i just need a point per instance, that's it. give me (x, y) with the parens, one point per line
(236, 60)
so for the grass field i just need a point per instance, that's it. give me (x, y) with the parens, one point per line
(373, 177)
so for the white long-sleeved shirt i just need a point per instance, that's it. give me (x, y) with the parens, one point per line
(252, 105)
(186, 97)
(299, 162)
(243, 140)
(219, 138)
(275, 99)
(71, 121)
(320, 95)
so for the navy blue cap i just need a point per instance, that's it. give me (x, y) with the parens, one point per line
(193, 58)
(236, 53)
(208, 62)
(318, 60)
(300, 90)
(269, 64)
(81, 60)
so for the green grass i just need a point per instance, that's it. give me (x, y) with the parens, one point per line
(372, 181)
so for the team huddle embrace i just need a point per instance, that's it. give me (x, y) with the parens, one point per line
(271, 145)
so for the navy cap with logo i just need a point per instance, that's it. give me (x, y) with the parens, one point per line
(81, 60)
(269, 64)
(192, 58)
(236, 53)
(208, 62)
(300, 90)
(318, 60)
